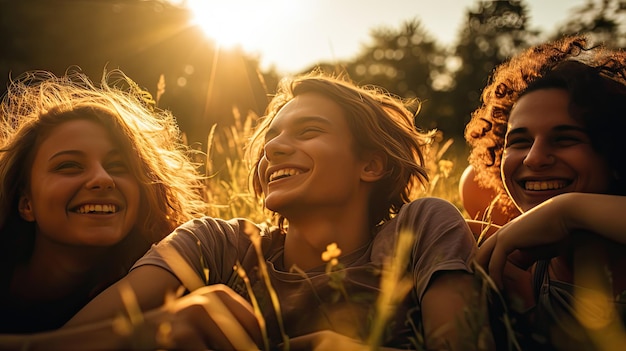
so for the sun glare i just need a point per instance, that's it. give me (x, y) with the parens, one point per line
(239, 22)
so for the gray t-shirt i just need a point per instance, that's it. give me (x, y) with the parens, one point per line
(343, 301)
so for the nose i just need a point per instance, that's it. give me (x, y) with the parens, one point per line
(277, 147)
(539, 155)
(100, 180)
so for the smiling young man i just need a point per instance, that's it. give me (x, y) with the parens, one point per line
(547, 152)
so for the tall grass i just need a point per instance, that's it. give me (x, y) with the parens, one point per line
(227, 186)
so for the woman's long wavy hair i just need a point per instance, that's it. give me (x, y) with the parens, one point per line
(593, 76)
(378, 122)
(170, 185)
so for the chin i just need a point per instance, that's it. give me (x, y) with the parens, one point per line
(273, 207)
(275, 204)
(104, 240)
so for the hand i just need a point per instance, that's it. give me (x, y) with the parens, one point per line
(213, 317)
(534, 235)
(329, 340)
(545, 230)
(326, 340)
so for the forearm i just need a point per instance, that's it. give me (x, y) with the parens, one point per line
(143, 289)
(603, 215)
(213, 316)
(99, 336)
(554, 221)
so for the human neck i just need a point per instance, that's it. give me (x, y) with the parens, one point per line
(309, 235)
(54, 270)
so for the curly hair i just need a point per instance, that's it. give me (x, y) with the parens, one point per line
(39, 101)
(593, 76)
(378, 121)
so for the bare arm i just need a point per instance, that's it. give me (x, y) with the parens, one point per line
(212, 317)
(602, 214)
(148, 284)
(452, 298)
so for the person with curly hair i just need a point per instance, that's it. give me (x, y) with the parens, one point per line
(342, 166)
(548, 138)
(90, 177)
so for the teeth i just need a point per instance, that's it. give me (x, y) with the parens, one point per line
(283, 173)
(97, 208)
(545, 185)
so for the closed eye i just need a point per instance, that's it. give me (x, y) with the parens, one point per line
(568, 140)
(117, 167)
(68, 166)
(518, 143)
(310, 132)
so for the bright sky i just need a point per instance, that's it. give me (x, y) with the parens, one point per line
(292, 35)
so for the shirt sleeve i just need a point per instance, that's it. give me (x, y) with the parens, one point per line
(209, 246)
(442, 239)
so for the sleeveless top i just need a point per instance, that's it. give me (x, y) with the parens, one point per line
(564, 317)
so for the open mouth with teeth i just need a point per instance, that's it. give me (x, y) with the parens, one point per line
(96, 209)
(283, 173)
(542, 185)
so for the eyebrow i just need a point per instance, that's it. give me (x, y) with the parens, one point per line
(113, 152)
(272, 131)
(559, 128)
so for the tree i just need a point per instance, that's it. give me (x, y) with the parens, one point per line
(399, 59)
(495, 31)
(602, 20)
(406, 61)
(146, 39)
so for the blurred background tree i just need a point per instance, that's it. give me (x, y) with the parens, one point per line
(603, 20)
(495, 31)
(146, 39)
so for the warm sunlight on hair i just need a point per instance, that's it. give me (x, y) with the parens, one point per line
(238, 22)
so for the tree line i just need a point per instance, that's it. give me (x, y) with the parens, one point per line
(153, 42)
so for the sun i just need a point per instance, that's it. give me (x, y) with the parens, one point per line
(245, 23)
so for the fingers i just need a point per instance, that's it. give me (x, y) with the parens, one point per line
(218, 329)
(496, 267)
(523, 259)
(242, 312)
(326, 340)
(237, 307)
(215, 318)
(492, 259)
(179, 334)
(485, 250)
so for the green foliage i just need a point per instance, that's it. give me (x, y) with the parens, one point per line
(495, 31)
(603, 20)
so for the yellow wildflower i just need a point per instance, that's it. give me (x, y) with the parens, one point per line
(332, 252)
